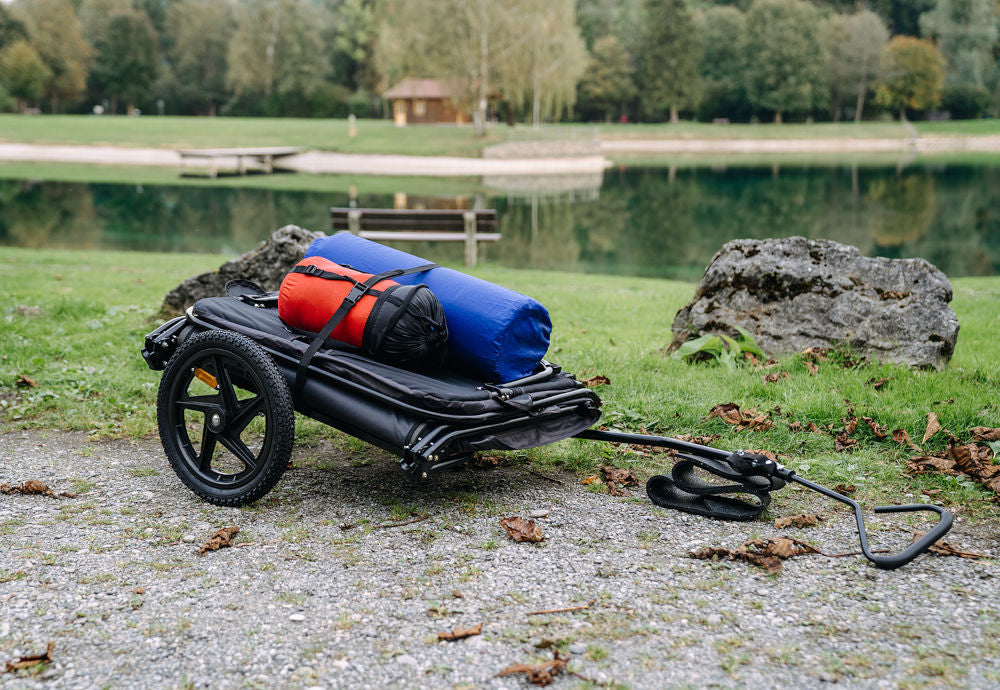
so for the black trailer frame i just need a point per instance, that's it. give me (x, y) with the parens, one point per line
(233, 346)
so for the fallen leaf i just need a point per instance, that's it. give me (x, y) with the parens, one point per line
(933, 426)
(901, 436)
(595, 381)
(880, 431)
(985, 433)
(33, 487)
(138, 590)
(845, 488)
(749, 418)
(539, 674)
(774, 376)
(877, 384)
(943, 548)
(700, 440)
(461, 633)
(842, 442)
(813, 369)
(817, 354)
(800, 520)
(765, 553)
(930, 492)
(795, 426)
(618, 479)
(520, 529)
(25, 381)
(221, 539)
(921, 464)
(850, 424)
(811, 427)
(33, 660)
(592, 479)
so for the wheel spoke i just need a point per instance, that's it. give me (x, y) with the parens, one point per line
(248, 410)
(236, 446)
(201, 403)
(208, 438)
(229, 402)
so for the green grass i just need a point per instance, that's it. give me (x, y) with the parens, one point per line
(82, 344)
(151, 175)
(381, 136)
(374, 136)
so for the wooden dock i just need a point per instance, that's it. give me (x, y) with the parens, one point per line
(261, 158)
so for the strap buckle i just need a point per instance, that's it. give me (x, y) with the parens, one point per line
(312, 270)
(357, 292)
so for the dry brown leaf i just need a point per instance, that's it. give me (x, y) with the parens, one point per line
(727, 412)
(766, 553)
(817, 354)
(138, 590)
(618, 479)
(985, 433)
(774, 376)
(880, 431)
(800, 520)
(921, 464)
(933, 426)
(33, 487)
(461, 633)
(519, 529)
(539, 674)
(594, 381)
(901, 436)
(845, 488)
(221, 539)
(25, 381)
(795, 426)
(813, 369)
(877, 384)
(930, 492)
(592, 479)
(842, 442)
(33, 660)
(943, 548)
(700, 440)
(811, 427)
(749, 418)
(850, 424)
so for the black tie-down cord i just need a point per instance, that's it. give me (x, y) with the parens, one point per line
(754, 476)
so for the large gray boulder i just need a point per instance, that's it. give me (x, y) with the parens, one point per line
(265, 265)
(796, 293)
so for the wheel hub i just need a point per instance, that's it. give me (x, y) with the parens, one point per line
(216, 420)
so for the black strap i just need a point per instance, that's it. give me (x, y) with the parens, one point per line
(685, 490)
(359, 290)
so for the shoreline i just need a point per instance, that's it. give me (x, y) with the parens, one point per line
(328, 162)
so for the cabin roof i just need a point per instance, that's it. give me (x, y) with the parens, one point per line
(419, 88)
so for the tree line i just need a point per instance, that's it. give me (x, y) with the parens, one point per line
(514, 60)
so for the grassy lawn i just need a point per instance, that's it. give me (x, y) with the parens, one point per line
(380, 136)
(303, 182)
(74, 323)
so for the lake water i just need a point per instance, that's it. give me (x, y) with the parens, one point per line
(647, 221)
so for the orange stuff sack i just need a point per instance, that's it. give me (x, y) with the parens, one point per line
(398, 324)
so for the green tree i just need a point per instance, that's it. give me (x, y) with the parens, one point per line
(966, 35)
(853, 45)
(607, 84)
(351, 32)
(276, 54)
(10, 28)
(199, 34)
(524, 50)
(54, 30)
(721, 33)
(667, 61)
(912, 75)
(23, 73)
(785, 70)
(126, 64)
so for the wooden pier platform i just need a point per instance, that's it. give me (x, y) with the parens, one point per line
(261, 158)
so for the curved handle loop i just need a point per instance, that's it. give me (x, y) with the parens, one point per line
(909, 553)
(917, 547)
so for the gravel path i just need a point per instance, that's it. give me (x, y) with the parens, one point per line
(114, 580)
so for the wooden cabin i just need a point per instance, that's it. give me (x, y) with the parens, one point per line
(422, 101)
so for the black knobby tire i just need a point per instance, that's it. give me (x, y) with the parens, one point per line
(241, 445)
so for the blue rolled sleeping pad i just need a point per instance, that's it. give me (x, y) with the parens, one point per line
(494, 334)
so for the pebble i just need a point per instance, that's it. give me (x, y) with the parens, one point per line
(189, 539)
(713, 619)
(406, 660)
(539, 513)
(296, 618)
(577, 648)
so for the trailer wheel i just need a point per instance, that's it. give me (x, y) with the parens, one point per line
(226, 418)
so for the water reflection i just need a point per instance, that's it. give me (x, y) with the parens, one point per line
(642, 221)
